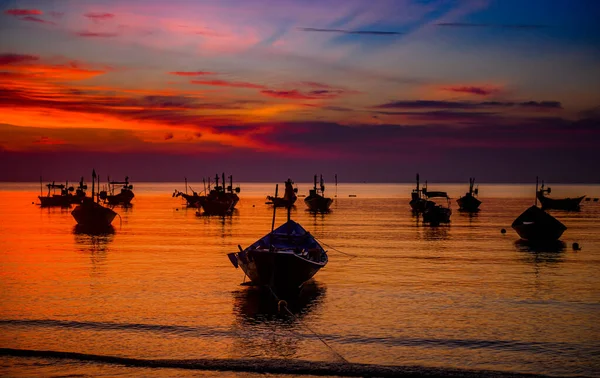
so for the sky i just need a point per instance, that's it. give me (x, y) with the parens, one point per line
(373, 91)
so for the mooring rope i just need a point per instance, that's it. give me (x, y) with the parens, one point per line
(283, 304)
(335, 249)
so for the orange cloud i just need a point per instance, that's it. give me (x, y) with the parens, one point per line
(224, 83)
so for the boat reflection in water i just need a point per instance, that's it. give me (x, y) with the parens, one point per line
(265, 331)
(541, 252)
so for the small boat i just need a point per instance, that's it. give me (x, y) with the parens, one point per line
(284, 259)
(231, 191)
(418, 200)
(316, 201)
(289, 196)
(193, 200)
(52, 199)
(536, 225)
(90, 214)
(124, 197)
(469, 201)
(569, 204)
(218, 201)
(79, 192)
(435, 214)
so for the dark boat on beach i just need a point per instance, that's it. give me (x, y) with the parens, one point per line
(289, 196)
(568, 204)
(316, 201)
(469, 201)
(92, 215)
(536, 225)
(283, 259)
(434, 213)
(418, 200)
(124, 197)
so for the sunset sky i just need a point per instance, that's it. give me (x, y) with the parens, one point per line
(264, 90)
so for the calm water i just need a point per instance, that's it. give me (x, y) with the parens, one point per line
(161, 287)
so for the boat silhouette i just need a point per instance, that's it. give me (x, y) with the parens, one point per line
(469, 202)
(316, 201)
(568, 204)
(92, 215)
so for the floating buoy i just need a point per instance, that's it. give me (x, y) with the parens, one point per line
(33, 203)
(503, 231)
(281, 304)
(576, 247)
(176, 209)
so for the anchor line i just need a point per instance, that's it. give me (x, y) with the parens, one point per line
(283, 304)
(335, 249)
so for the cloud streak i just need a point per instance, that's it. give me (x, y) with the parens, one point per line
(492, 26)
(23, 12)
(435, 104)
(359, 32)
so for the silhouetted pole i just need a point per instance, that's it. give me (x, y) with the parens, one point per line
(185, 178)
(274, 208)
(536, 189)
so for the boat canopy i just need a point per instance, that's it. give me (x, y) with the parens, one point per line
(288, 235)
(436, 194)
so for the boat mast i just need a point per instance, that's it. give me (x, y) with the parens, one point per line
(185, 179)
(41, 187)
(274, 209)
(536, 189)
(231, 183)
(315, 183)
(223, 177)
(93, 183)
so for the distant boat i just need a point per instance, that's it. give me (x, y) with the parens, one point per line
(418, 200)
(316, 201)
(193, 200)
(289, 196)
(52, 199)
(569, 204)
(91, 214)
(469, 201)
(283, 259)
(218, 201)
(435, 214)
(536, 225)
(124, 197)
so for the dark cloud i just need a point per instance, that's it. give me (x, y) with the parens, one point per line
(434, 104)
(493, 26)
(169, 136)
(472, 90)
(99, 16)
(224, 83)
(96, 34)
(342, 31)
(310, 95)
(23, 12)
(192, 73)
(36, 19)
(17, 58)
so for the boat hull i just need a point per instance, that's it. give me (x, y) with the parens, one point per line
(281, 201)
(279, 270)
(318, 204)
(435, 215)
(418, 205)
(536, 225)
(55, 201)
(216, 206)
(92, 215)
(568, 204)
(468, 203)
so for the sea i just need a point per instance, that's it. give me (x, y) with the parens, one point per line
(157, 296)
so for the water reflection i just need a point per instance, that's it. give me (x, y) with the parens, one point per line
(93, 240)
(267, 332)
(432, 233)
(547, 252)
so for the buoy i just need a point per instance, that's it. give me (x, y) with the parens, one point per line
(281, 304)
(503, 231)
(33, 203)
(176, 209)
(576, 247)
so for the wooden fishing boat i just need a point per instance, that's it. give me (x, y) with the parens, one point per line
(91, 214)
(536, 225)
(289, 196)
(469, 202)
(284, 259)
(568, 204)
(218, 201)
(125, 195)
(316, 201)
(53, 199)
(418, 200)
(192, 200)
(434, 213)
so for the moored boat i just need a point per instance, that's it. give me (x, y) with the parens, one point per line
(289, 196)
(434, 213)
(52, 199)
(283, 259)
(418, 200)
(316, 201)
(124, 197)
(192, 200)
(536, 225)
(469, 202)
(218, 201)
(91, 214)
(568, 204)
